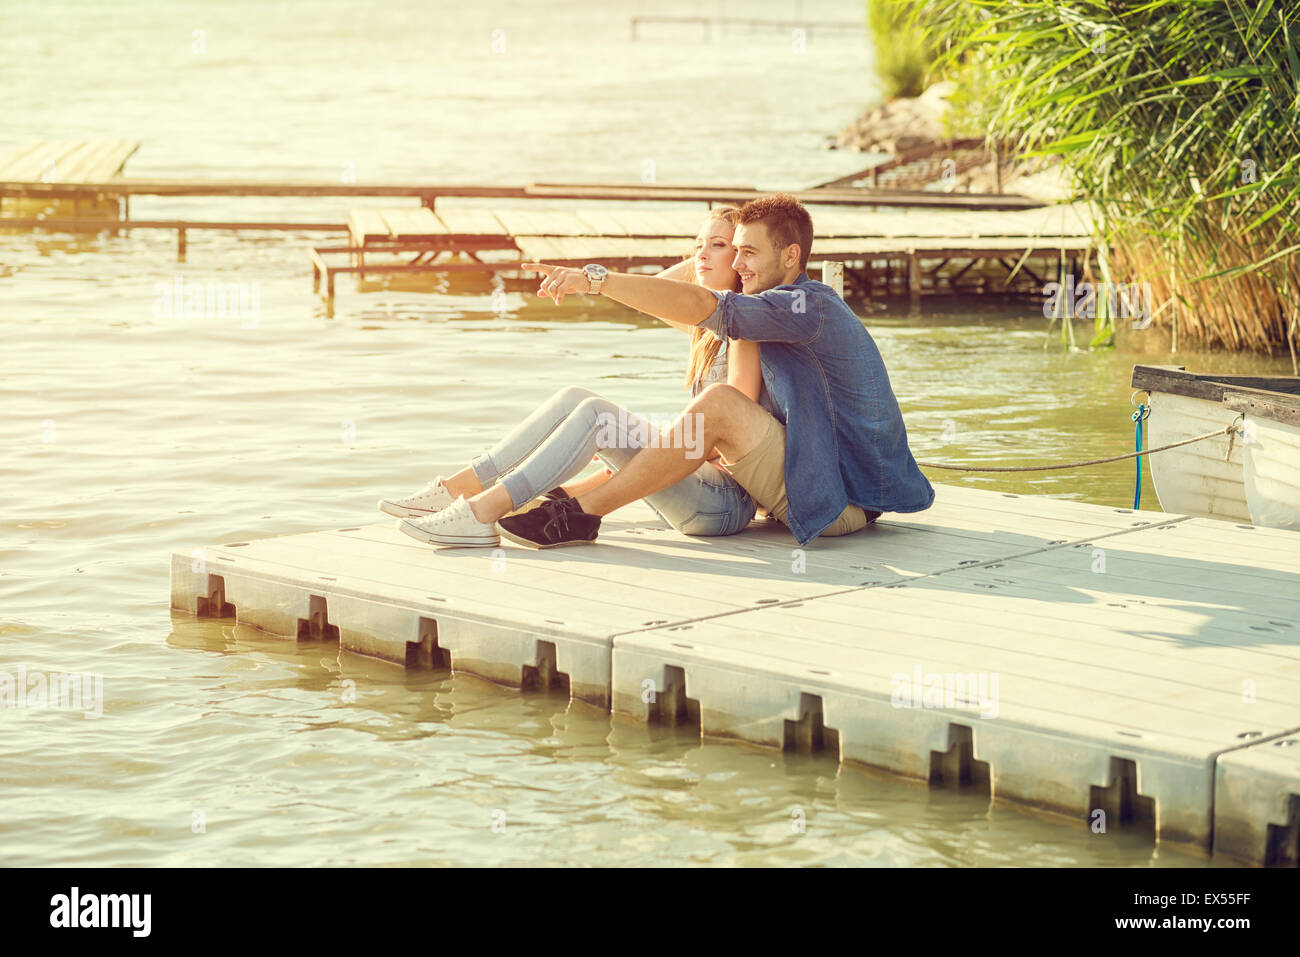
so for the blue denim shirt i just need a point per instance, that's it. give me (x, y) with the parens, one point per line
(845, 440)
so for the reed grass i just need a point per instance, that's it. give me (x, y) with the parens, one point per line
(905, 58)
(1177, 121)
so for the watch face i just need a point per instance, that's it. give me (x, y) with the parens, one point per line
(596, 271)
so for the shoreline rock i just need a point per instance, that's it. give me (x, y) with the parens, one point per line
(910, 123)
(901, 124)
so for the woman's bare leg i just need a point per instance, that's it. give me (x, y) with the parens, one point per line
(464, 482)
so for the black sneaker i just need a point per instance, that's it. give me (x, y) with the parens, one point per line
(556, 494)
(553, 523)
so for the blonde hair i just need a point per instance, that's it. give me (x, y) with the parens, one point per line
(705, 346)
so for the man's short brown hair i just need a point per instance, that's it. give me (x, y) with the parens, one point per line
(786, 222)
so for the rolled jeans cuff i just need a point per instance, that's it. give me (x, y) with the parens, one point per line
(520, 489)
(484, 470)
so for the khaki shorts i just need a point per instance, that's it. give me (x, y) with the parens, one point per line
(761, 473)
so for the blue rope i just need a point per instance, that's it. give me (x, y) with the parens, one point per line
(1142, 412)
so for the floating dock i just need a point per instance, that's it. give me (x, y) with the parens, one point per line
(1131, 670)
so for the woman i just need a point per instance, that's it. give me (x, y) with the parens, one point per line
(558, 438)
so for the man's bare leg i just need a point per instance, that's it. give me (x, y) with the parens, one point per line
(586, 485)
(732, 422)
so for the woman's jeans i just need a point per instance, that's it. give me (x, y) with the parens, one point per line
(557, 441)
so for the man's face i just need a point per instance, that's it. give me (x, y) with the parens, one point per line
(760, 264)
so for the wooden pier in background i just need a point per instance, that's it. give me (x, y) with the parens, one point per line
(76, 177)
(1132, 671)
(91, 171)
(907, 241)
(912, 252)
(429, 193)
(719, 25)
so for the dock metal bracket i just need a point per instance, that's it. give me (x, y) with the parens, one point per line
(1120, 800)
(670, 706)
(957, 767)
(214, 604)
(1283, 848)
(426, 652)
(316, 626)
(545, 675)
(809, 735)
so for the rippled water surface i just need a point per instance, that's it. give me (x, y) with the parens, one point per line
(129, 434)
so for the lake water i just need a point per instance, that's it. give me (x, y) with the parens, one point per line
(129, 434)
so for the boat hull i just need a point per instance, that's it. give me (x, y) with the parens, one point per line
(1200, 479)
(1271, 473)
(1253, 476)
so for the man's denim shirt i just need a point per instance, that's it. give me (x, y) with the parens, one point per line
(845, 440)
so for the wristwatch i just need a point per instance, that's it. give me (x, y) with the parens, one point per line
(595, 274)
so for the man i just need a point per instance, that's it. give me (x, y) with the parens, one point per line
(835, 458)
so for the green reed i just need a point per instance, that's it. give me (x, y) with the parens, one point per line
(1177, 122)
(905, 58)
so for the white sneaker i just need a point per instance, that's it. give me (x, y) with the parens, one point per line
(433, 498)
(454, 525)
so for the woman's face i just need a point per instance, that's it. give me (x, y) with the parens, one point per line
(713, 255)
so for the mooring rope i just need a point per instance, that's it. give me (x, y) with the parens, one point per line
(1142, 413)
(1230, 430)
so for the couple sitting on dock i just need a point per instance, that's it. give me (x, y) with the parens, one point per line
(790, 398)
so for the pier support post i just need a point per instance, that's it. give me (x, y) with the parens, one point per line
(833, 276)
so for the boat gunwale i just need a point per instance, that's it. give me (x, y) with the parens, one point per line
(1175, 380)
(1274, 407)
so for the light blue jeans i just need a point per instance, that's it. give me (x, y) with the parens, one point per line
(557, 441)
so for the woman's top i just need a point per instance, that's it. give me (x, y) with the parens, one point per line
(717, 372)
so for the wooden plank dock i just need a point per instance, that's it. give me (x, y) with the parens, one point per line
(915, 168)
(429, 193)
(991, 237)
(720, 24)
(1130, 670)
(65, 169)
(45, 180)
(628, 237)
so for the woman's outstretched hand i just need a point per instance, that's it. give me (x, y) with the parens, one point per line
(559, 281)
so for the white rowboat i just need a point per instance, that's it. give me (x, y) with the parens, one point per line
(1251, 477)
